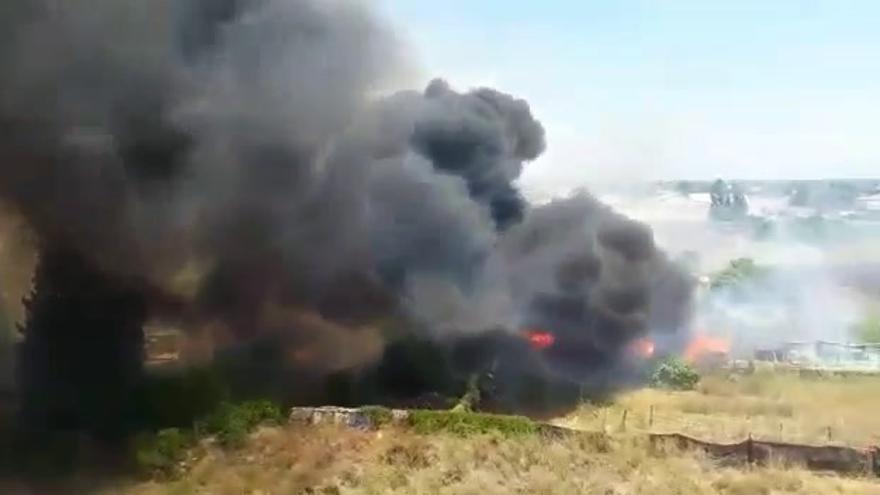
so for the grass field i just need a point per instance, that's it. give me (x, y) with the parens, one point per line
(332, 460)
(767, 405)
(447, 458)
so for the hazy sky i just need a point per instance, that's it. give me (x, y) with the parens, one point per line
(670, 88)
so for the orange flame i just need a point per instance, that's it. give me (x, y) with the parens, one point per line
(643, 348)
(540, 339)
(702, 346)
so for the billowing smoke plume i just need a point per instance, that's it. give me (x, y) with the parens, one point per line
(231, 162)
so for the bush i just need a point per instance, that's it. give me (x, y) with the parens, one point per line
(470, 423)
(675, 374)
(738, 273)
(378, 415)
(160, 454)
(231, 423)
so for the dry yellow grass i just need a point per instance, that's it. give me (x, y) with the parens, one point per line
(773, 406)
(332, 460)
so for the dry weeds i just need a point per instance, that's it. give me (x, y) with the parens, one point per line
(333, 460)
(771, 406)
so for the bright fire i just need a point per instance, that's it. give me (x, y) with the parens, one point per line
(702, 346)
(643, 347)
(540, 339)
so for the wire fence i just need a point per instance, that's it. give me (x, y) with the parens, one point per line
(719, 427)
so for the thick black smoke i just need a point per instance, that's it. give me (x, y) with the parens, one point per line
(233, 155)
(483, 137)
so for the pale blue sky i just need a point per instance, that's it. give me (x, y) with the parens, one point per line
(670, 88)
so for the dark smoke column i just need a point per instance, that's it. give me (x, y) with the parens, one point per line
(483, 136)
(239, 146)
(83, 348)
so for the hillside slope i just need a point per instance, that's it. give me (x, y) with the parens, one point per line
(335, 460)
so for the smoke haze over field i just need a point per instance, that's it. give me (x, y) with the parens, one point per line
(818, 264)
(229, 156)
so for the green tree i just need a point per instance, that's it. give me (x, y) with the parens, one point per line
(82, 353)
(675, 374)
(737, 273)
(867, 331)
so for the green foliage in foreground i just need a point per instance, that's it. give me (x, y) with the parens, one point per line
(378, 415)
(469, 423)
(231, 423)
(674, 374)
(160, 453)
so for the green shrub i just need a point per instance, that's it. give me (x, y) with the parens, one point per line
(231, 423)
(675, 374)
(469, 423)
(738, 273)
(160, 454)
(867, 331)
(378, 415)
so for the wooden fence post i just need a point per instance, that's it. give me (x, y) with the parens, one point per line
(651, 417)
(623, 420)
(872, 461)
(750, 455)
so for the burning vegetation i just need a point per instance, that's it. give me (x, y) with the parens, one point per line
(225, 167)
(540, 339)
(642, 348)
(707, 349)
